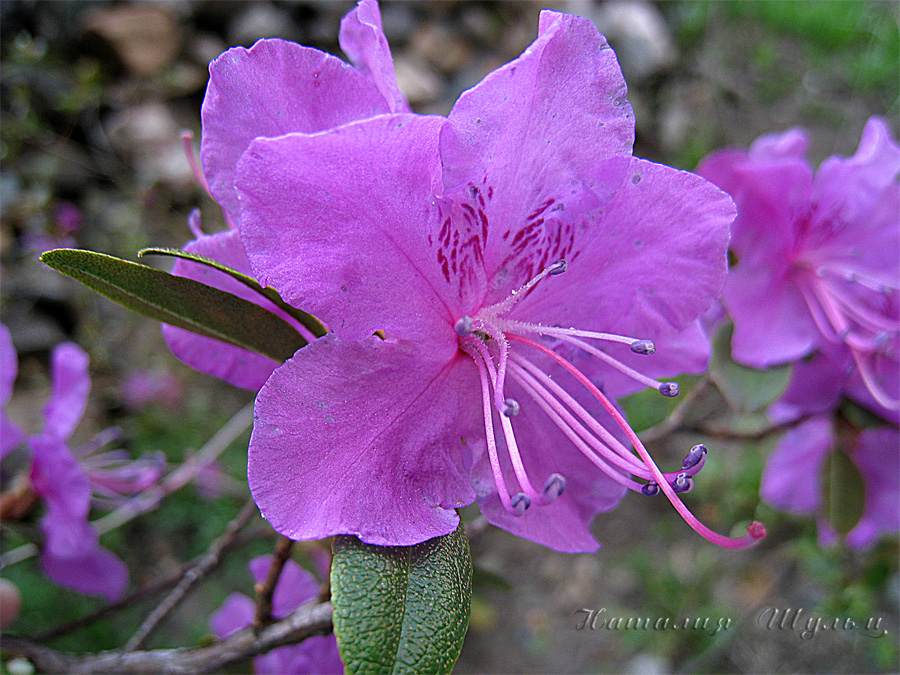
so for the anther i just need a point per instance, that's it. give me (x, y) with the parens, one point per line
(463, 326)
(682, 483)
(643, 347)
(650, 489)
(510, 407)
(693, 457)
(519, 503)
(669, 389)
(558, 267)
(553, 487)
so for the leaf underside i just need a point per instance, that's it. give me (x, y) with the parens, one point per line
(401, 609)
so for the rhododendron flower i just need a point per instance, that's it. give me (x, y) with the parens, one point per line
(315, 655)
(435, 249)
(65, 480)
(793, 478)
(273, 88)
(818, 266)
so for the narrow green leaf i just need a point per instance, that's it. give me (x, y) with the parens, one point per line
(311, 323)
(843, 492)
(401, 609)
(746, 389)
(181, 302)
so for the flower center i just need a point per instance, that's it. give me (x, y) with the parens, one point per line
(498, 345)
(852, 308)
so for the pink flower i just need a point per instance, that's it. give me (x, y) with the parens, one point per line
(818, 267)
(71, 554)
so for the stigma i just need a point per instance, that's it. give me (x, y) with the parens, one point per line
(504, 349)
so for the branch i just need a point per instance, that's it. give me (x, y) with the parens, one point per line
(266, 589)
(210, 560)
(308, 620)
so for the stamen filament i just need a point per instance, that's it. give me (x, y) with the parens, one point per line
(513, 298)
(556, 331)
(510, 437)
(620, 456)
(486, 399)
(755, 531)
(589, 445)
(856, 276)
(615, 363)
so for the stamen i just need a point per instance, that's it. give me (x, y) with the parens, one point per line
(754, 532)
(463, 326)
(512, 446)
(650, 489)
(665, 388)
(643, 347)
(598, 452)
(555, 331)
(558, 267)
(696, 455)
(682, 483)
(553, 488)
(519, 503)
(510, 301)
(510, 407)
(486, 398)
(589, 446)
(668, 389)
(855, 276)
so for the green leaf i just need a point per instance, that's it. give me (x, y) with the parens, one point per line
(401, 609)
(843, 491)
(745, 389)
(311, 323)
(180, 302)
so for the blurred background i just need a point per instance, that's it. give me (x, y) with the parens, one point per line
(93, 97)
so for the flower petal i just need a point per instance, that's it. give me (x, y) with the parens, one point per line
(63, 485)
(235, 614)
(295, 585)
(772, 323)
(238, 367)
(363, 438)
(529, 147)
(878, 460)
(850, 186)
(274, 88)
(71, 384)
(651, 264)
(317, 655)
(772, 192)
(791, 479)
(815, 386)
(342, 224)
(99, 572)
(363, 41)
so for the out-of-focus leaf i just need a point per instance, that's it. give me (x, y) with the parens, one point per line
(745, 389)
(180, 302)
(401, 609)
(844, 492)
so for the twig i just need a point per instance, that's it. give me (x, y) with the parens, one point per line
(308, 620)
(674, 421)
(145, 591)
(151, 497)
(210, 560)
(266, 588)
